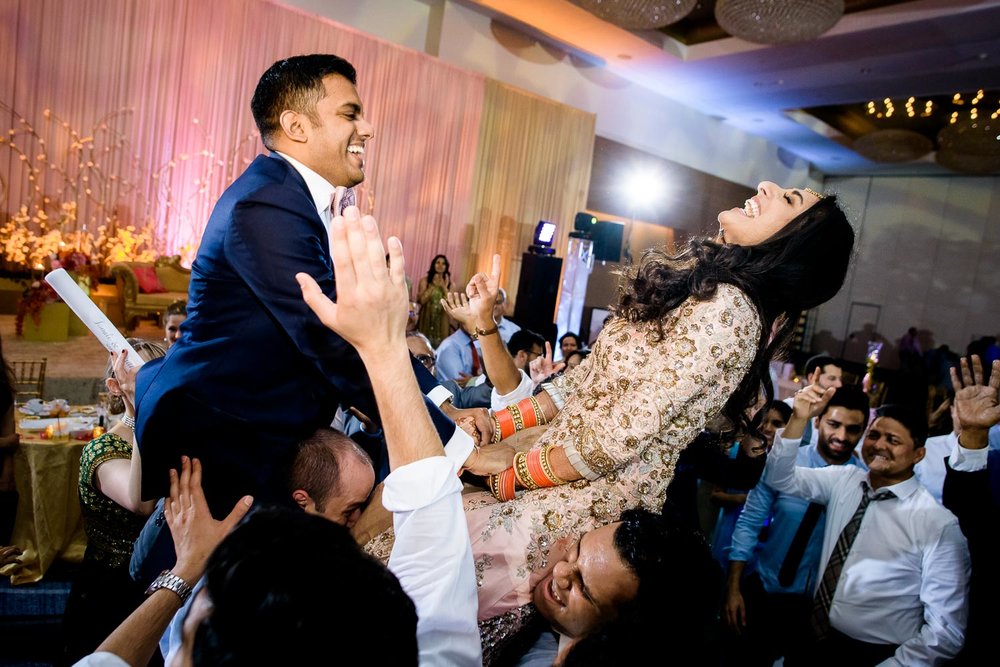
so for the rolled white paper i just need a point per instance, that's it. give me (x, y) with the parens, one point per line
(91, 315)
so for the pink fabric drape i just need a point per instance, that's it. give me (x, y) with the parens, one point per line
(148, 109)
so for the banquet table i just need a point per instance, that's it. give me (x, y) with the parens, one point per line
(49, 524)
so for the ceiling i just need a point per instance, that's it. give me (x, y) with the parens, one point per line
(792, 94)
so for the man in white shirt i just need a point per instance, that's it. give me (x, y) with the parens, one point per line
(895, 564)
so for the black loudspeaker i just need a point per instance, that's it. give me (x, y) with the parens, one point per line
(584, 222)
(537, 291)
(608, 241)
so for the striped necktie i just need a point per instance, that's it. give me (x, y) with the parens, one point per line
(835, 566)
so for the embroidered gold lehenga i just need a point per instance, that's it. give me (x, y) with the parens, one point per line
(630, 408)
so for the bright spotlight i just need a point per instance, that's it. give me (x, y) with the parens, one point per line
(644, 188)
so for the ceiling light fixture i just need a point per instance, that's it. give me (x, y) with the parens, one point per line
(893, 145)
(639, 14)
(970, 146)
(771, 22)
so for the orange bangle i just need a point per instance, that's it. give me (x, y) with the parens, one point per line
(522, 473)
(527, 411)
(496, 429)
(503, 485)
(506, 485)
(537, 470)
(506, 423)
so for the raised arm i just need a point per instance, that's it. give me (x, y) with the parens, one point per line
(432, 553)
(121, 479)
(976, 404)
(370, 313)
(195, 534)
(781, 473)
(967, 490)
(474, 311)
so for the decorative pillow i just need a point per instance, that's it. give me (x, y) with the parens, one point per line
(149, 282)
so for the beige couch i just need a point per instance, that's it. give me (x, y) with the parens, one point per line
(135, 304)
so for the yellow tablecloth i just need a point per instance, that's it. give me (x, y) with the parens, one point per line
(49, 524)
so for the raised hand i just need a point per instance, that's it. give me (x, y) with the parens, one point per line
(456, 305)
(482, 291)
(976, 404)
(542, 367)
(125, 375)
(195, 532)
(371, 309)
(811, 399)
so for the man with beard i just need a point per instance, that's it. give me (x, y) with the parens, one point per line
(894, 563)
(772, 574)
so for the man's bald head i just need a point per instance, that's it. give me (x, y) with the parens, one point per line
(331, 476)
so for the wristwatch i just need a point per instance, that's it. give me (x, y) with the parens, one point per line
(171, 582)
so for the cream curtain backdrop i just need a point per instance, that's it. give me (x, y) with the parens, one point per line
(534, 164)
(138, 110)
(180, 74)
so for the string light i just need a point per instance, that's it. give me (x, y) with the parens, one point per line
(887, 108)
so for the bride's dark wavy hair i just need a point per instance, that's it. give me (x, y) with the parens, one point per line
(800, 267)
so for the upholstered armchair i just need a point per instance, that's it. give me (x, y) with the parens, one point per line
(145, 289)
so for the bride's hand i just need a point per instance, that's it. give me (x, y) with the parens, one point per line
(522, 441)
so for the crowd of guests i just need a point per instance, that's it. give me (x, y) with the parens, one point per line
(407, 477)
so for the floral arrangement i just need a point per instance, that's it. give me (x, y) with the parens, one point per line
(90, 189)
(34, 298)
(35, 242)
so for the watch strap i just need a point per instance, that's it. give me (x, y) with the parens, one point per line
(171, 582)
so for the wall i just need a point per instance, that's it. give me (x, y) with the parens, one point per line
(928, 255)
(626, 113)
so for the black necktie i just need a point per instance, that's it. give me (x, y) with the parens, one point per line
(790, 566)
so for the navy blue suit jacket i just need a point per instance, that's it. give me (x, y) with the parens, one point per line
(255, 371)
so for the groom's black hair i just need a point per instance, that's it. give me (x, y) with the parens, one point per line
(294, 83)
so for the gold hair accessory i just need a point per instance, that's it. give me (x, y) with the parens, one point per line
(814, 193)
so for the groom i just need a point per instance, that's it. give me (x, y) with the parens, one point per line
(255, 371)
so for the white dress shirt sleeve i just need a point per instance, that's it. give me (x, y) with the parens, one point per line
(520, 392)
(458, 448)
(432, 556)
(438, 395)
(966, 460)
(781, 473)
(944, 591)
